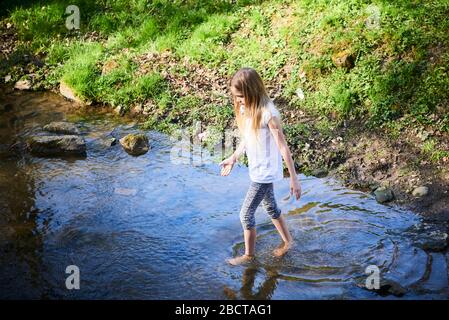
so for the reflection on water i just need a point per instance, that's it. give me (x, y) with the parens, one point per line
(146, 228)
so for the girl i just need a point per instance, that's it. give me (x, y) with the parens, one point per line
(259, 124)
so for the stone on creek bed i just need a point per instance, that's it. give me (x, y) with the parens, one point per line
(320, 173)
(386, 287)
(61, 127)
(57, 145)
(383, 194)
(67, 92)
(420, 191)
(23, 85)
(135, 144)
(390, 287)
(6, 108)
(430, 236)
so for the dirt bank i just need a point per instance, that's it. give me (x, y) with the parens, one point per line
(365, 159)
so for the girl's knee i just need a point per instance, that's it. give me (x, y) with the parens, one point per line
(247, 220)
(248, 224)
(272, 209)
(275, 214)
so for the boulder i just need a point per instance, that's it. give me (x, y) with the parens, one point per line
(420, 191)
(61, 127)
(383, 194)
(135, 144)
(23, 85)
(68, 93)
(120, 110)
(57, 145)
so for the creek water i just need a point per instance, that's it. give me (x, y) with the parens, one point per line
(147, 227)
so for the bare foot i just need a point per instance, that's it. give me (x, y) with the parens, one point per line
(279, 252)
(240, 260)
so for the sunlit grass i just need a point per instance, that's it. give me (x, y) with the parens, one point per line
(400, 61)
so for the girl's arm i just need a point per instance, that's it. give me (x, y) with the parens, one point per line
(276, 129)
(239, 151)
(228, 163)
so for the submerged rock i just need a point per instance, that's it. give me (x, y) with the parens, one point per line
(429, 236)
(432, 239)
(57, 145)
(5, 108)
(61, 127)
(105, 142)
(383, 194)
(125, 191)
(135, 144)
(320, 173)
(100, 140)
(110, 142)
(386, 287)
(438, 244)
(390, 287)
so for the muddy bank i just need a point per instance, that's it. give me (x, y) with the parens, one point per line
(370, 159)
(398, 164)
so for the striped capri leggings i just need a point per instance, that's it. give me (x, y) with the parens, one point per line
(258, 192)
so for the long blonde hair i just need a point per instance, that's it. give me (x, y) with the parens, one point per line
(248, 82)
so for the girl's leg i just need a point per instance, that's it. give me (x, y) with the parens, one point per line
(252, 200)
(282, 228)
(250, 244)
(270, 205)
(250, 241)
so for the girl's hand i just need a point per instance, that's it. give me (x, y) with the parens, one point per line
(295, 188)
(227, 165)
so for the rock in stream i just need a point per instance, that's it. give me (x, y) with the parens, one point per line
(135, 144)
(61, 127)
(57, 145)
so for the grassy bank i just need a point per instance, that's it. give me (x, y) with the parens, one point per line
(381, 65)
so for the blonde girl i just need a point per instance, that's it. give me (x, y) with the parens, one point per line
(262, 139)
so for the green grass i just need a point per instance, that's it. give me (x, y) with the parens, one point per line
(81, 71)
(207, 41)
(431, 150)
(400, 64)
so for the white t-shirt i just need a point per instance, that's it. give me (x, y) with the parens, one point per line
(264, 157)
